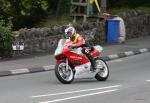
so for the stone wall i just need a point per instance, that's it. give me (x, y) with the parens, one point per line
(37, 39)
(137, 23)
(46, 39)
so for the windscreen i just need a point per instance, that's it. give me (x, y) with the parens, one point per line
(60, 46)
(61, 42)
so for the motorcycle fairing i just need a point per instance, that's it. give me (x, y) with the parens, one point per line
(72, 57)
(95, 53)
(83, 71)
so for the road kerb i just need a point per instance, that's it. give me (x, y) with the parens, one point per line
(51, 67)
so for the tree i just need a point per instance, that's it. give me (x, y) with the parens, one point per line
(63, 7)
(24, 13)
(6, 37)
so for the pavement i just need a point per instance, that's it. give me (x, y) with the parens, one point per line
(46, 62)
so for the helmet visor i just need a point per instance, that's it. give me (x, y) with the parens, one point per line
(68, 34)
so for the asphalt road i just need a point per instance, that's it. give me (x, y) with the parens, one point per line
(129, 82)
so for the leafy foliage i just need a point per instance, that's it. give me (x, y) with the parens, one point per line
(6, 37)
(24, 13)
(28, 13)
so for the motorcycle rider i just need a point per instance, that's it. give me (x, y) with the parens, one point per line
(77, 41)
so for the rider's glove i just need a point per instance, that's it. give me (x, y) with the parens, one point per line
(87, 51)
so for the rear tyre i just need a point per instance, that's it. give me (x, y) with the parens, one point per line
(64, 76)
(103, 73)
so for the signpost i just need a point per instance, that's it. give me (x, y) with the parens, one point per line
(18, 46)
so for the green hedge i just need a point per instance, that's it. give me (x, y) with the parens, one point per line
(6, 37)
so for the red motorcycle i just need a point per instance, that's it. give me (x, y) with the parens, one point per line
(72, 63)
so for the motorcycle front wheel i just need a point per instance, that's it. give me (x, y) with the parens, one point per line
(64, 75)
(103, 73)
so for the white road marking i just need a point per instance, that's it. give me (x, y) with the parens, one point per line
(79, 96)
(48, 67)
(113, 56)
(18, 71)
(143, 50)
(70, 92)
(117, 60)
(148, 80)
(128, 53)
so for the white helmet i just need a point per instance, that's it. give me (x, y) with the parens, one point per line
(70, 31)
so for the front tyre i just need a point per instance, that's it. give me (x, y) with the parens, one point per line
(103, 73)
(64, 76)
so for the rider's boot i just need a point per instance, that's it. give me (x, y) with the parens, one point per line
(93, 68)
(93, 65)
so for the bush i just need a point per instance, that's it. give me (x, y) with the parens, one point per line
(6, 37)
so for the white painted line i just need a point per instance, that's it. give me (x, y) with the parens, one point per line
(85, 90)
(117, 60)
(128, 53)
(143, 50)
(19, 71)
(80, 96)
(148, 80)
(113, 56)
(49, 67)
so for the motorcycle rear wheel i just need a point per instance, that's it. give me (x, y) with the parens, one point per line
(103, 73)
(64, 76)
